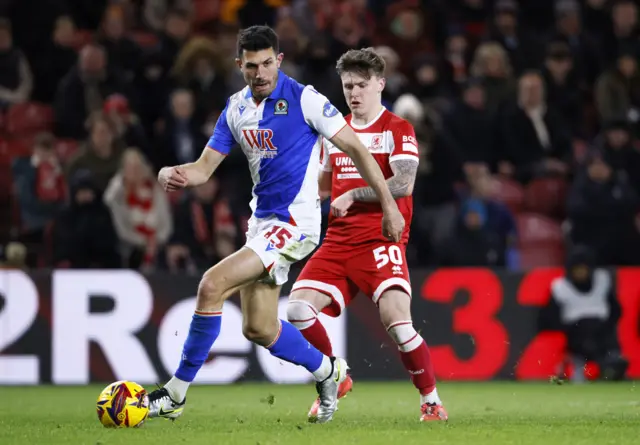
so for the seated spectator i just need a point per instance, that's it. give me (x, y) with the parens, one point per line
(127, 125)
(536, 140)
(602, 207)
(13, 256)
(583, 305)
(618, 89)
(140, 210)
(181, 139)
(16, 80)
(123, 53)
(41, 188)
(470, 129)
(100, 154)
(485, 231)
(620, 151)
(562, 85)
(83, 90)
(55, 61)
(199, 69)
(205, 232)
(491, 64)
(83, 234)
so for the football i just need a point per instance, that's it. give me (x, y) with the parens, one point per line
(123, 404)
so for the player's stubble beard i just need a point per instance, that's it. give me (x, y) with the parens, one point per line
(259, 96)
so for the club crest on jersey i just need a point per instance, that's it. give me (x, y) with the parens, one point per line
(261, 141)
(376, 142)
(281, 107)
(328, 110)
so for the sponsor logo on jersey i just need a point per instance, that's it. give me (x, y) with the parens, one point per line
(241, 109)
(328, 110)
(260, 140)
(281, 107)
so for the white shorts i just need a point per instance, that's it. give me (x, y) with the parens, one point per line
(279, 245)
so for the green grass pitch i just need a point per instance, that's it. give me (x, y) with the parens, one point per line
(374, 413)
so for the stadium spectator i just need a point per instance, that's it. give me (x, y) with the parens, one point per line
(456, 57)
(491, 64)
(123, 53)
(485, 231)
(57, 59)
(199, 68)
(618, 89)
(536, 139)
(584, 307)
(83, 90)
(602, 207)
(101, 152)
(83, 233)
(562, 86)
(181, 137)
(204, 230)
(621, 28)
(140, 211)
(127, 126)
(41, 192)
(620, 152)
(16, 80)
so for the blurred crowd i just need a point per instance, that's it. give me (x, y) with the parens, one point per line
(527, 115)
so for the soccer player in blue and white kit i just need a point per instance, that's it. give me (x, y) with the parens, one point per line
(279, 124)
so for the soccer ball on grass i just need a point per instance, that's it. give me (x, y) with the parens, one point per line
(123, 404)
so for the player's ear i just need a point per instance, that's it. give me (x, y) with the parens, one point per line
(239, 62)
(279, 58)
(381, 84)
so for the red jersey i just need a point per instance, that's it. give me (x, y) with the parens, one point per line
(389, 138)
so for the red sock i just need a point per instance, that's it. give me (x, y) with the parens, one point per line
(316, 334)
(418, 363)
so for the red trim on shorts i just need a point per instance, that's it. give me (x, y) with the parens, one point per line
(277, 337)
(302, 321)
(270, 266)
(292, 221)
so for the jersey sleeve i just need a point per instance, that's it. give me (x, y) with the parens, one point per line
(320, 114)
(405, 145)
(326, 157)
(222, 139)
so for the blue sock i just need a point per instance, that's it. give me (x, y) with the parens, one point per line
(202, 333)
(292, 347)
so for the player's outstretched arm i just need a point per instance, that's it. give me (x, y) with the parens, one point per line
(192, 174)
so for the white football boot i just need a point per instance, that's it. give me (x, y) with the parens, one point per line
(162, 405)
(328, 391)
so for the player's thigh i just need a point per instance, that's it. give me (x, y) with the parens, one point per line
(323, 283)
(230, 275)
(259, 303)
(380, 267)
(278, 245)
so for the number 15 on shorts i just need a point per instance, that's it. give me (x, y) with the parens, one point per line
(385, 254)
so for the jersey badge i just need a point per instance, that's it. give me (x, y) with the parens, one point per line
(281, 107)
(376, 142)
(241, 109)
(328, 110)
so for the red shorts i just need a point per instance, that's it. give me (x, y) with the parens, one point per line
(341, 271)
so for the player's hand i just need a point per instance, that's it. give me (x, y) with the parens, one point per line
(341, 204)
(393, 224)
(172, 178)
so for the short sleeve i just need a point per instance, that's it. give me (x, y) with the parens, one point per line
(222, 139)
(405, 145)
(326, 157)
(320, 114)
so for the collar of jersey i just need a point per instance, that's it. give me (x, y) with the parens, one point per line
(275, 94)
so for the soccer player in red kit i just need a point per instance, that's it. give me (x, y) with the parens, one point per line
(354, 256)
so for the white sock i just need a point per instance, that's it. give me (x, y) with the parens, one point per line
(324, 371)
(177, 389)
(431, 398)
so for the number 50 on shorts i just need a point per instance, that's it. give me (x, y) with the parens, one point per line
(385, 254)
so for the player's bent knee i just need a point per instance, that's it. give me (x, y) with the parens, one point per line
(394, 305)
(301, 313)
(260, 332)
(210, 291)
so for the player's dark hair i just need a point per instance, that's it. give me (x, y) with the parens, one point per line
(364, 62)
(256, 38)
